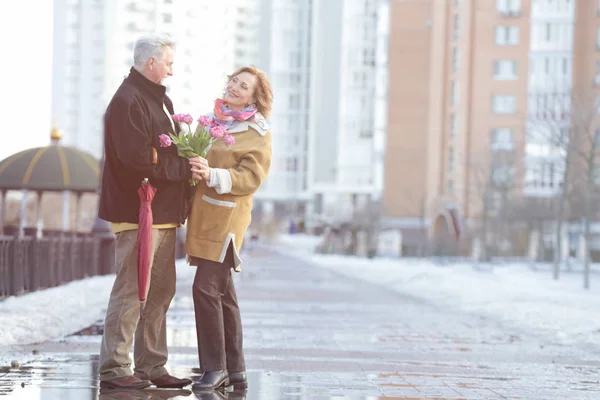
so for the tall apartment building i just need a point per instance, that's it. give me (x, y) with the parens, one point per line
(78, 72)
(474, 86)
(285, 46)
(348, 95)
(93, 52)
(247, 39)
(205, 55)
(327, 61)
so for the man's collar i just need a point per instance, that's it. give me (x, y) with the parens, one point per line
(154, 89)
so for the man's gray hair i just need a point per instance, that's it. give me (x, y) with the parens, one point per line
(151, 46)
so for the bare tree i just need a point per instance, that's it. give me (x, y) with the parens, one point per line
(548, 130)
(418, 206)
(584, 111)
(492, 182)
(366, 220)
(568, 126)
(481, 192)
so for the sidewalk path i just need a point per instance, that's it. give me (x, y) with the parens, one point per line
(310, 333)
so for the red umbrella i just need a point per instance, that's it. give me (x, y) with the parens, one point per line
(144, 240)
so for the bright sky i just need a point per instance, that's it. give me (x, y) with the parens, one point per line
(26, 71)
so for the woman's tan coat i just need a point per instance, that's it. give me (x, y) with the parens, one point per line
(222, 214)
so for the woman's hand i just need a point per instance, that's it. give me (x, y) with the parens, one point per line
(200, 168)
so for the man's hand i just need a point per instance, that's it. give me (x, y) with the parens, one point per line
(200, 168)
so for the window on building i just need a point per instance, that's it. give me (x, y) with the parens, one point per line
(502, 176)
(451, 160)
(598, 38)
(292, 164)
(502, 139)
(504, 104)
(597, 139)
(565, 66)
(369, 57)
(493, 201)
(72, 37)
(456, 26)
(549, 32)
(596, 174)
(294, 79)
(452, 127)
(451, 185)
(455, 59)
(547, 65)
(294, 101)
(505, 70)
(167, 18)
(507, 35)
(365, 133)
(295, 60)
(455, 93)
(543, 174)
(507, 7)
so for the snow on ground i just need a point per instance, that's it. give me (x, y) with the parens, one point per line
(54, 312)
(513, 292)
(510, 292)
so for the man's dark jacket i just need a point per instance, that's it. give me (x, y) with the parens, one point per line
(133, 121)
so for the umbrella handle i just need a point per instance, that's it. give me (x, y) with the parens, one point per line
(142, 306)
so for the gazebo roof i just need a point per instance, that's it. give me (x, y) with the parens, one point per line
(50, 168)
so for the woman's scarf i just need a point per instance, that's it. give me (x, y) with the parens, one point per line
(227, 117)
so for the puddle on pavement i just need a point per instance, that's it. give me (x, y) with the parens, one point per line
(406, 375)
(76, 378)
(178, 334)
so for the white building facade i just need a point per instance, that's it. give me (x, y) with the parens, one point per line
(285, 56)
(249, 17)
(93, 53)
(327, 61)
(78, 78)
(348, 105)
(550, 83)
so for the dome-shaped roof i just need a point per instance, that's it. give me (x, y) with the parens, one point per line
(51, 168)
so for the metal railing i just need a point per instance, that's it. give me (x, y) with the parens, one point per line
(29, 263)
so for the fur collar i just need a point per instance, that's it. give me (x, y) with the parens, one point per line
(258, 123)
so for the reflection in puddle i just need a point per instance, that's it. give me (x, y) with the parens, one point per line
(147, 394)
(76, 379)
(51, 379)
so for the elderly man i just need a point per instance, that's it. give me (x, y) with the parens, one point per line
(138, 113)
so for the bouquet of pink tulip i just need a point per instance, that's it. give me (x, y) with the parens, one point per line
(196, 143)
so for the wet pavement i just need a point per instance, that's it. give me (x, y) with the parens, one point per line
(312, 334)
